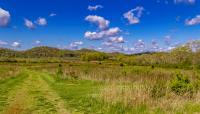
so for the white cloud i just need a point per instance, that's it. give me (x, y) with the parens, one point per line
(155, 46)
(16, 44)
(133, 16)
(2, 43)
(112, 31)
(118, 48)
(93, 8)
(170, 48)
(4, 17)
(93, 35)
(75, 45)
(37, 42)
(185, 1)
(107, 43)
(41, 21)
(193, 21)
(78, 43)
(99, 48)
(29, 24)
(140, 45)
(167, 40)
(103, 34)
(52, 14)
(100, 21)
(117, 39)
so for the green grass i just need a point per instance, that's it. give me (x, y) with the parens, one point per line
(37, 90)
(8, 85)
(82, 96)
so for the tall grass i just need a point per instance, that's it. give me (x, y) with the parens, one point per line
(114, 88)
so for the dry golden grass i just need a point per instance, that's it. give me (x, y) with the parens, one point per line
(137, 94)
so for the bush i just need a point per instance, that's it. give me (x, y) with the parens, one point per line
(121, 64)
(95, 56)
(181, 85)
(158, 90)
(197, 83)
(73, 75)
(59, 73)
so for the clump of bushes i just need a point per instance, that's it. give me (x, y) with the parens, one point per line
(95, 56)
(73, 75)
(197, 81)
(158, 90)
(59, 73)
(181, 85)
(121, 64)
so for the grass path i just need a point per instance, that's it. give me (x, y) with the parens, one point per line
(34, 96)
(7, 87)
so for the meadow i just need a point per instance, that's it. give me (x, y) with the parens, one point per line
(106, 87)
(45, 80)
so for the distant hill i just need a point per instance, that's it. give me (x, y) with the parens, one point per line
(43, 52)
(4, 52)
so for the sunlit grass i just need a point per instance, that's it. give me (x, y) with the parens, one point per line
(101, 88)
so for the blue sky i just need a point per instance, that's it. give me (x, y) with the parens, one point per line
(107, 25)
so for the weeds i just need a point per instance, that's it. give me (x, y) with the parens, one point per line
(181, 85)
(158, 90)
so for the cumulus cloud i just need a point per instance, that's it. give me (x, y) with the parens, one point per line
(102, 34)
(154, 46)
(118, 48)
(29, 24)
(78, 43)
(193, 21)
(107, 43)
(41, 21)
(139, 46)
(99, 21)
(133, 16)
(93, 8)
(3, 43)
(167, 40)
(170, 48)
(112, 31)
(75, 45)
(37, 42)
(117, 39)
(4, 17)
(93, 35)
(16, 44)
(100, 48)
(52, 15)
(185, 1)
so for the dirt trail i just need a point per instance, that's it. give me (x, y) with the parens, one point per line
(34, 96)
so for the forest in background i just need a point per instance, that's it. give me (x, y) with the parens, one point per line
(184, 56)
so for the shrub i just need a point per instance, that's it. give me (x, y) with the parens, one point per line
(59, 73)
(197, 83)
(95, 56)
(181, 85)
(158, 90)
(124, 73)
(121, 64)
(73, 75)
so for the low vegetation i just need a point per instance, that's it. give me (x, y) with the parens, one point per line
(85, 81)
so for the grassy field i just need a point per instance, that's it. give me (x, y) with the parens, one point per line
(97, 88)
